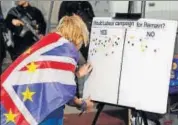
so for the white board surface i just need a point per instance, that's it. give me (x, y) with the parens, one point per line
(131, 62)
(103, 49)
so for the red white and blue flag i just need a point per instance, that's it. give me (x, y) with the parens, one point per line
(41, 80)
(174, 79)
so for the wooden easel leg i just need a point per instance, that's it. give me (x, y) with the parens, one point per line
(100, 107)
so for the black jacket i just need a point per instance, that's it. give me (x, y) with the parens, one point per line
(2, 42)
(84, 10)
(22, 43)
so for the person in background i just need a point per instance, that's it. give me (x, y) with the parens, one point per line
(2, 40)
(22, 36)
(84, 10)
(74, 30)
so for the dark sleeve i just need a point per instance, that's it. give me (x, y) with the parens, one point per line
(62, 10)
(40, 21)
(9, 25)
(90, 9)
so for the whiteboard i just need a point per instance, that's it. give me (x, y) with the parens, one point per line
(135, 72)
(104, 48)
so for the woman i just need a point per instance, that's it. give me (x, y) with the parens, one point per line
(85, 10)
(74, 30)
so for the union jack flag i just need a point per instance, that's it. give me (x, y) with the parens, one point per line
(41, 80)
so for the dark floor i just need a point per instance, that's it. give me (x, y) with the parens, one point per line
(105, 118)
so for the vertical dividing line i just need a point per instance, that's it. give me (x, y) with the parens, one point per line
(121, 65)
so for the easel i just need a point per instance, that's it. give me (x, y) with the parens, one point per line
(101, 105)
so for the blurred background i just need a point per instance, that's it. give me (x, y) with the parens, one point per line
(167, 10)
(152, 9)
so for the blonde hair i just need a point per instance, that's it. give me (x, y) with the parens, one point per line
(74, 29)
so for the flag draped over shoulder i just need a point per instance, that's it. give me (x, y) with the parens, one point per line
(41, 80)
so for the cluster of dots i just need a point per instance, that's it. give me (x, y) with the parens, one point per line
(103, 44)
(143, 47)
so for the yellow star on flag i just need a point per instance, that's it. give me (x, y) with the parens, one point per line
(27, 95)
(28, 51)
(32, 67)
(10, 117)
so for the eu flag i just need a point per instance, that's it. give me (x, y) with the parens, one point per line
(40, 81)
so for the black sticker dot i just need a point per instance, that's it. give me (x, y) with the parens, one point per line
(146, 46)
(116, 43)
(118, 38)
(113, 45)
(128, 42)
(106, 54)
(155, 50)
(140, 39)
(132, 44)
(112, 52)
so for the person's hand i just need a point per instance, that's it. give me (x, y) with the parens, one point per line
(84, 70)
(17, 22)
(90, 104)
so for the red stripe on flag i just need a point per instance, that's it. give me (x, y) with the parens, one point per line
(5, 98)
(8, 104)
(46, 40)
(52, 65)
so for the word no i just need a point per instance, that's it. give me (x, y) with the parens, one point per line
(150, 34)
